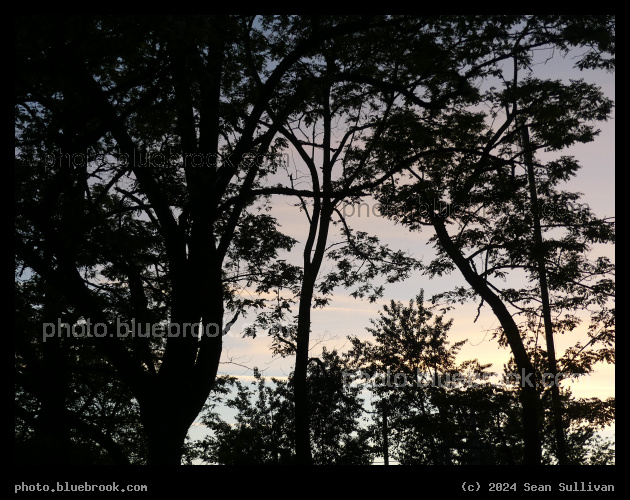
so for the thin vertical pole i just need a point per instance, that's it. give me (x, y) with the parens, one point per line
(556, 403)
(385, 440)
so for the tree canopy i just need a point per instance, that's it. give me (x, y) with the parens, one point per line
(151, 152)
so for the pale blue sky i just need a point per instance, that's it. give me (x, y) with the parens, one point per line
(347, 316)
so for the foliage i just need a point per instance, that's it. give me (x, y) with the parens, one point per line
(438, 411)
(69, 404)
(147, 153)
(264, 429)
(442, 412)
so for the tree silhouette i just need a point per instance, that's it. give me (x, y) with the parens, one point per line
(439, 412)
(264, 429)
(476, 188)
(147, 152)
(159, 117)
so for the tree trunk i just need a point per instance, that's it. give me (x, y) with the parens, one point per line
(385, 435)
(556, 403)
(527, 376)
(54, 431)
(166, 425)
(166, 444)
(321, 219)
(302, 414)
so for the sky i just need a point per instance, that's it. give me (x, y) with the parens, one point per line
(348, 316)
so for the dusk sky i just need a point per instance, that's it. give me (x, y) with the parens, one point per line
(198, 195)
(348, 316)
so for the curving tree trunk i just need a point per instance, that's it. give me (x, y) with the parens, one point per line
(529, 395)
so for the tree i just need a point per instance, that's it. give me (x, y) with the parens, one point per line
(375, 82)
(582, 418)
(159, 118)
(145, 149)
(475, 187)
(70, 407)
(337, 170)
(438, 412)
(264, 428)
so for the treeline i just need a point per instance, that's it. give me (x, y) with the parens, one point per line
(397, 108)
(399, 399)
